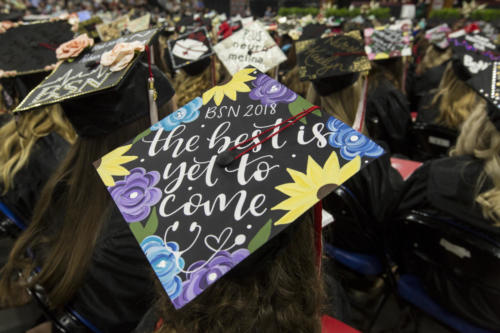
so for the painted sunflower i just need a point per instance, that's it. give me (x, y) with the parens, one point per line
(111, 165)
(314, 185)
(237, 84)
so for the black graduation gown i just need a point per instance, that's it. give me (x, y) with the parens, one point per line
(44, 158)
(119, 285)
(424, 83)
(426, 112)
(448, 186)
(391, 108)
(377, 188)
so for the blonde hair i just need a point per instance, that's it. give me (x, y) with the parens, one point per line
(454, 100)
(341, 104)
(292, 81)
(19, 138)
(189, 87)
(480, 138)
(432, 58)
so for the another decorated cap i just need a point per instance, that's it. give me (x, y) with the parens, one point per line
(104, 87)
(250, 46)
(216, 180)
(30, 48)
(463, 42)
(89, 27)
(484, 78)
(190, 48)
(384, 43)
(438, 36)
(333, 56)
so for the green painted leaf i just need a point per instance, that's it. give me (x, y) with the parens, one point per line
(299, 105)
(261, 237)
(140, 136)
(140, 232)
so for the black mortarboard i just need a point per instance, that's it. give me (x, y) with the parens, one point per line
(197, 217)
(11, 16)
(331, 56)
(190, 48)
(30, 48)
(462, 42)
(313, 31)
(96, 99)
(484, 78)
(384, 43)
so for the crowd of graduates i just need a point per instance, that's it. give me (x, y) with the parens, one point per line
(411, 190)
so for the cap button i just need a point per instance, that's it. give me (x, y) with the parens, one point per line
(227, 157)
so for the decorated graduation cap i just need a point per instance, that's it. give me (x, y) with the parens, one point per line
(30, 48)
(105, 86)
(438, 36)
(384, 43)
(190, 48)
(250, 46)
(332, 63)
(463, 42)
(207, 186)
(89, 27)
(483, 75)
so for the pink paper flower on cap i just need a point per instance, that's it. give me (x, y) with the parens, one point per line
(74, 47)
(121, 55)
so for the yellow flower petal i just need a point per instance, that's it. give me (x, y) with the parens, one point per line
(349, 169)
(207, 95)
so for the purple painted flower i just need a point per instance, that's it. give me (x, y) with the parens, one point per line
(204, 274)
(135, 194)
(270, 91)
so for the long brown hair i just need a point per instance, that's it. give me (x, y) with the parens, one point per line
(455, 100)
(66, 222)
(20, 136)
(282, 293)
(432, 58)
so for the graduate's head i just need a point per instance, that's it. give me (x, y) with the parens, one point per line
(454, 100)
(336, 67)
(433, 57)
(279, 291)
(480, 137)
(73, 203)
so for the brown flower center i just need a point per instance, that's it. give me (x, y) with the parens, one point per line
(325, 190)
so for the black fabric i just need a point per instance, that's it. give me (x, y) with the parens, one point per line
(447, 186)
(32, 47)
(388, 116)
(426, 112)
(46, 155)
(377, 188)
(11, 16)
(459, 69)
(329, 85)
(494, 114)
(424, 83)
(118, 288)
(313, 30)
(197, 67)
(103, 113)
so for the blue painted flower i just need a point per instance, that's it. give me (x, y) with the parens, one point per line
(351, 142)
(186, 114)
(165, 263)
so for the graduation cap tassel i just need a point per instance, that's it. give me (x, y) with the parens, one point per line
(360, 112)
(152, 94)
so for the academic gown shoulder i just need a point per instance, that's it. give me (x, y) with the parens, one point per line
(377, 188)
(391, 108)
(426, 112)
(447, 186)
(118, 288)
(44, 158)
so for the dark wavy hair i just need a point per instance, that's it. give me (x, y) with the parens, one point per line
(279, 290)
